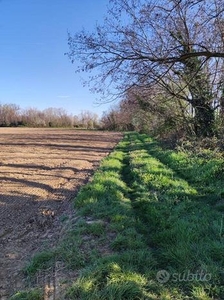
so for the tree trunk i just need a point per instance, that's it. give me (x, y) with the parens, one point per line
(222, 104)
(204, 118)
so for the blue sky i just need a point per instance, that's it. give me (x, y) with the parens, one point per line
(34, 72)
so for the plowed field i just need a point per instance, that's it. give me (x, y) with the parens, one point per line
(41, 171)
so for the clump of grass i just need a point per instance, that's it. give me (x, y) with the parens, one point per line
(118, 276)
(40, 261)
(35, 294)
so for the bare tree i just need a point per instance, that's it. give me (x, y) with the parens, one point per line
(178, 45)
(9, 114)
(57, 117)
(32, 117)
(88, 119)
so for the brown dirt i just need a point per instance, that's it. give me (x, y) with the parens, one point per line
(41, 171)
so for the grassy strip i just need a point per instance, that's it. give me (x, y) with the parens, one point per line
(135, 218)
(186, 234)
(122, 272)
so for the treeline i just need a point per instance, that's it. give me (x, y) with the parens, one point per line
(154, 113)
(11, 115)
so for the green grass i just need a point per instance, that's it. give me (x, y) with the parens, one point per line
(42, 260)
(35, 294)
(147, 209)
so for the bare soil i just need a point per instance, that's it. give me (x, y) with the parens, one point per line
(41, 171)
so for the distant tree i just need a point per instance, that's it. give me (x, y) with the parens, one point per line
(177, 45)
(111, 119)
(59, 117)
(32, 117)
(88, 120)
(76, 121)
(9, 114)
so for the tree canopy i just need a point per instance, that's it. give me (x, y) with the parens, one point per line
(172, 44)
